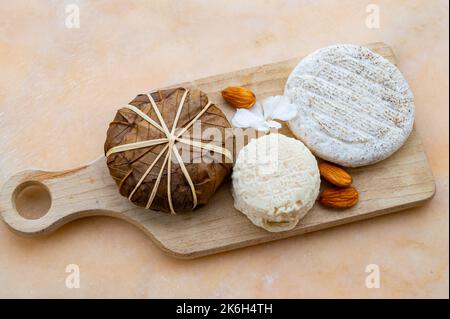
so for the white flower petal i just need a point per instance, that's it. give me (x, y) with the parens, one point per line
(274, 124)
(257, 110)
(270, 104)
(262, 117)
(244, 118)
(263, 127)
(284, 111)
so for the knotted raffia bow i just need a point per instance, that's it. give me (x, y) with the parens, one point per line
(171, 138)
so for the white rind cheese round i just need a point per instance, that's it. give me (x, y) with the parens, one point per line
(354, 107)
(275, 181)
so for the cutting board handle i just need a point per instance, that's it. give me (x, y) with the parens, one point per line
(74, 193)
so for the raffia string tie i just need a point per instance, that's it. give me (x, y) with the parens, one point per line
(171, 139)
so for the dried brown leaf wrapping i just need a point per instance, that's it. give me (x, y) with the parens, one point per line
(127, 167)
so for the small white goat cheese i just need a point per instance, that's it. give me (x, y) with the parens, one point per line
(275, 182)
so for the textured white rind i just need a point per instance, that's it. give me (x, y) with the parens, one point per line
(354, 107)
(275, 182)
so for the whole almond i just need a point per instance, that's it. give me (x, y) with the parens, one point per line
(239, 97)
(335, 175)
(339, 197)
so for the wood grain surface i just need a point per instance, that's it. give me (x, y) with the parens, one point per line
(404, 180)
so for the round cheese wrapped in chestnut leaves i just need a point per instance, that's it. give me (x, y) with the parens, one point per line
(142, 146)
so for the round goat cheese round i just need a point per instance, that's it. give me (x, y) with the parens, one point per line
(354, 107)
(275, 181)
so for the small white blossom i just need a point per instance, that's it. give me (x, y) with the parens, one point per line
(262, 117)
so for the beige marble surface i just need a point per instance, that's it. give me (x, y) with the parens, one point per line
(60, 87)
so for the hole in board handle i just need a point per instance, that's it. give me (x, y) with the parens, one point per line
(32, 199)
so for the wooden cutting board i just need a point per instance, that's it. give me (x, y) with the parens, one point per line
(402, 181)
